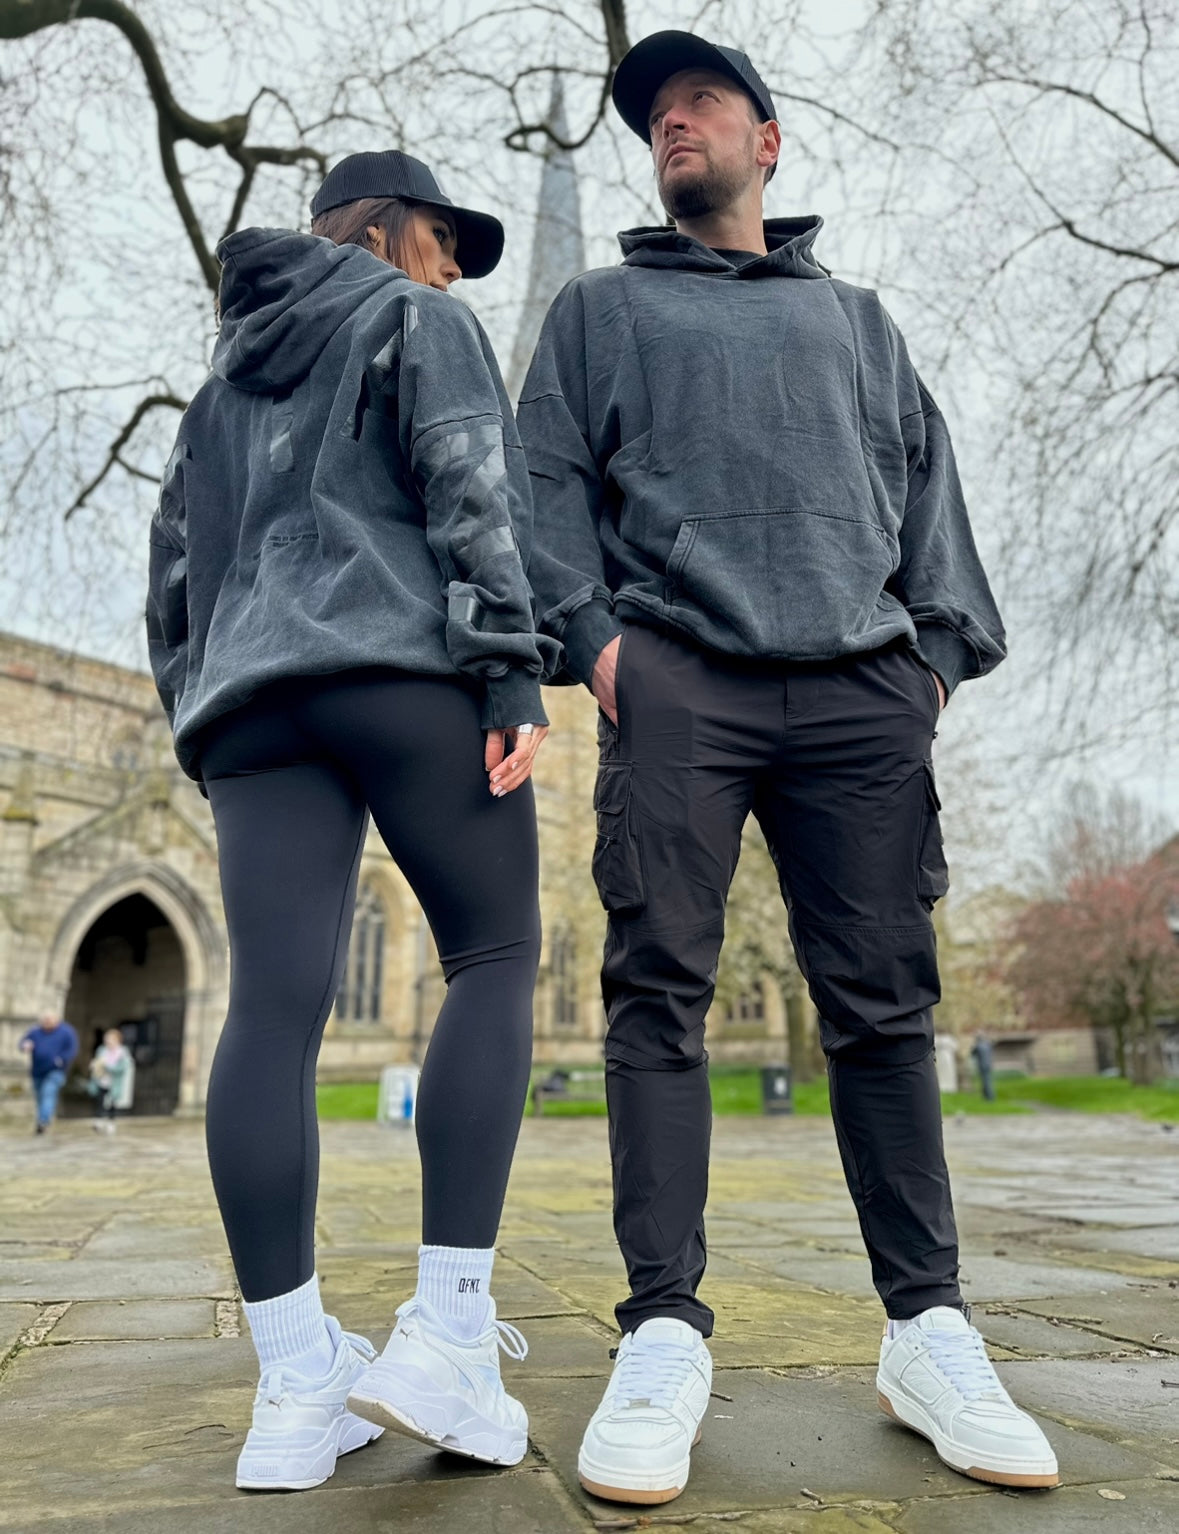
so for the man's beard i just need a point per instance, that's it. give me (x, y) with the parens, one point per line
(708, 192)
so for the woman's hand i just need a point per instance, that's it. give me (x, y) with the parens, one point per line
(509, 757)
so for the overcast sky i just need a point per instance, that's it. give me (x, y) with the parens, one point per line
(127, 292)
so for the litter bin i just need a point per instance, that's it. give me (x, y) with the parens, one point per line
(397, 1099)
(775, 1089)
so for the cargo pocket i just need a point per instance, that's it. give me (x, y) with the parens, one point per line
(618, 868)
(933, 877)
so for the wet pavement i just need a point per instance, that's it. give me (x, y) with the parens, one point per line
(126, 1380)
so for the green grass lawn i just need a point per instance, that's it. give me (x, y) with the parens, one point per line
(737, 1089)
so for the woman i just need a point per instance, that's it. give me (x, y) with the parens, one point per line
(340, 624)
(112, 1072)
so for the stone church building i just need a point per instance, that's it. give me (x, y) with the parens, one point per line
(110, 910)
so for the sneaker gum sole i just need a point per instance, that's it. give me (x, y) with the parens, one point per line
(376, 1410)
(643, 1498)
(976, 1472)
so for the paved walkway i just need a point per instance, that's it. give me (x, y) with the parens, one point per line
(126, 1382)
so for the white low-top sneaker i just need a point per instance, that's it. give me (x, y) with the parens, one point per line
(302, 1426)
(445, 1391)
(637, 1447)
(936, 1378)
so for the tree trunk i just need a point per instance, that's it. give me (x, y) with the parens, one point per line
(1148, 1058)
(802, 1035)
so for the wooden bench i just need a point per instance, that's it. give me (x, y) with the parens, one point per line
(568, 1087)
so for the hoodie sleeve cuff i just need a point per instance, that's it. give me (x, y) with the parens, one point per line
(586, 635)
(512, 699)
(947, 653)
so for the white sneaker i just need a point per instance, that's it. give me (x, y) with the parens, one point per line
(637, 1447)
(936, 1378)
(445, 1391)
(301, 1426)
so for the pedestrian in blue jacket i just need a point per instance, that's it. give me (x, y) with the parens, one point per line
(51, 1047)
(752, 542)
(340, 625)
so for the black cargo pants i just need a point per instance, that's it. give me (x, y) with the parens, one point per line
(834, 760)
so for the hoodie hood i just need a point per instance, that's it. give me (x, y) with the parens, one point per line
(788, 242)
(283, 297)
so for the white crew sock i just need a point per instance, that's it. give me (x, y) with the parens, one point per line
(454, 1281)
(290, 1329)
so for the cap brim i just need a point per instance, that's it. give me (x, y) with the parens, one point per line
(479, 237)
(655, 59)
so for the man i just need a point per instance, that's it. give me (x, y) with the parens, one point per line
(51, 1047)
(750, 538)
(983, 1054)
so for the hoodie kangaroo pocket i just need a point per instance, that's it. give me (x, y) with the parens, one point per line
(618, 864)
(797, 583)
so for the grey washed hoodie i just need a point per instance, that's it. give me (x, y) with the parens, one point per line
(745, 455)
(347, 489)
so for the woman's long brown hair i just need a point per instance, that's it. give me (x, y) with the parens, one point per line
(349, 225)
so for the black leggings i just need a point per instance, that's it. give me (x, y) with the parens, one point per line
(291, 778)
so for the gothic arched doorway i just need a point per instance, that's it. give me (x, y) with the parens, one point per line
(129, 973)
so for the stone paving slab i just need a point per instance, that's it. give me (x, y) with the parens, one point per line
(1145, 1316)
(776, 1436)
(1161, 1241)
(1019, 1333)
(1125, 1400)
(1147, 1508)
(809, 1519)
(14, 1319)
(35, 1251)
(135, 1320)
(135, 1238)
(1030, 1276)
(167, 1421)
(844, 1273)
(99, 1278)
(1059, 1217)
(504, 1502)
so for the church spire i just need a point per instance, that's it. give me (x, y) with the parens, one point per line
(558, 246)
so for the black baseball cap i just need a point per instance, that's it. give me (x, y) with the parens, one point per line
(655, 59)
(479, 238)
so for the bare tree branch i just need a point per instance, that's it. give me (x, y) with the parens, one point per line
(114, 453)
(1050, 87)
(23, 18)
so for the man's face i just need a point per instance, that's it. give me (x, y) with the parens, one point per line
(50, 1020)
(704, 141)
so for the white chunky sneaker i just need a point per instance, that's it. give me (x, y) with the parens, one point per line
(637, 1447)
(444, 1391)
(936, 1378)
(301, 1426)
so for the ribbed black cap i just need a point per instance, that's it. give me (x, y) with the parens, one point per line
(389, 173)
(655, 59)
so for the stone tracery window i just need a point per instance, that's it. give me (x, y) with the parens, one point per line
(749, 1010)
(358, 999)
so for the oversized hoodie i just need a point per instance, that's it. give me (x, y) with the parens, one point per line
(743, 454)
(347, 489)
